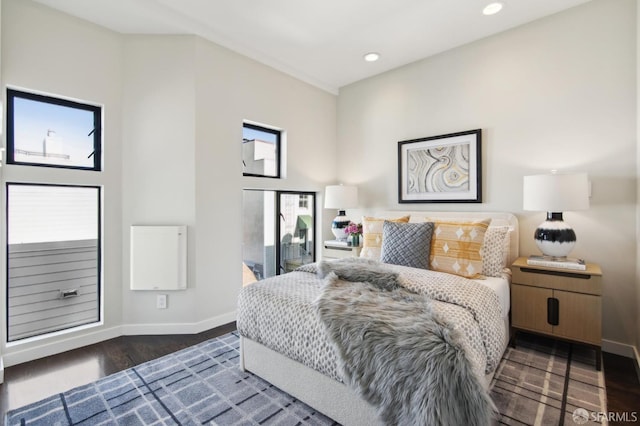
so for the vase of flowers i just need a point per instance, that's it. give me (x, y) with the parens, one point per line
(353, 231)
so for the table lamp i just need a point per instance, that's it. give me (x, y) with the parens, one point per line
(555, 193)
(340, 197)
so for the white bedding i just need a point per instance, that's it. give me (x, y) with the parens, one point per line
(318, 388)
(280, 313)
(501, 288)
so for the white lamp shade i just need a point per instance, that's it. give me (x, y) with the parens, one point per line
(556, 192)
(340, 197)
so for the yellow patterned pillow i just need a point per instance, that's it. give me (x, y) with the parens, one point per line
(456, 247)
(372, 235)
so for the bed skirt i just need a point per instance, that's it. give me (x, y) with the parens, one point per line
(328, 396)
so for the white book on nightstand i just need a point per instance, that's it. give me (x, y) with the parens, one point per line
(568, 263)
(336, 243)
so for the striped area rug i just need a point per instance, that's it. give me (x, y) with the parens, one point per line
(549, 382)
(200, 385)
(541, 382)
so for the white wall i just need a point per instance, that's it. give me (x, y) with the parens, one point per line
(185, 101)
(232, 88)
(173, 107)
(47, 51)
(158, 160)
(556, 93)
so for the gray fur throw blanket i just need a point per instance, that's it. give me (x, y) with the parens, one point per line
(399, 355)
(360, 270)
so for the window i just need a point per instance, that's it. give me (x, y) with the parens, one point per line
(279, 233)
(53, 258)
(303, 201)
(52, 132)
(260, 151)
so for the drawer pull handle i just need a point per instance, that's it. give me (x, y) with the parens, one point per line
(566, 273)
(553, 309)
(65, 294)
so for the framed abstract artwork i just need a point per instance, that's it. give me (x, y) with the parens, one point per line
(441, 169)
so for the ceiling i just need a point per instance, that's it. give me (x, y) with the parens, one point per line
(320, 42)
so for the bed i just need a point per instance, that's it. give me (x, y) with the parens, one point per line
(284, 342)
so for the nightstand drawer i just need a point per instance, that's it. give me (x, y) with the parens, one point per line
(575, 281)
(329, 252)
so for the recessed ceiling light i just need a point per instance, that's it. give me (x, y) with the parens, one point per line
(371, 57)
(492, 8)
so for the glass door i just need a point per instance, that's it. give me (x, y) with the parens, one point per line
(296, 230)
(278, 234)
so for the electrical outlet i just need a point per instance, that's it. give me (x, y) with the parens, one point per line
(161, 301)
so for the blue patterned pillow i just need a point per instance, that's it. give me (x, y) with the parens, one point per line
(406, 244)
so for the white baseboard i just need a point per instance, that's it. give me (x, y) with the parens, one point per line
(15, 354)
(178, 328)
(18, 354)
(622, 349)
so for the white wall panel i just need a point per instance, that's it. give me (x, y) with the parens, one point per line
(158, 258)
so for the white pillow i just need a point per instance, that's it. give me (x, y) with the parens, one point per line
(495, 251)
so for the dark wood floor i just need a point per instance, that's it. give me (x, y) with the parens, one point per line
(621, 377)
(32, 381)
(35, 380)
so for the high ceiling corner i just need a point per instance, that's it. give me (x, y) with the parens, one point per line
(322, 43)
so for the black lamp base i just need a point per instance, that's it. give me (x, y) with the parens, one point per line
(338, 225)
(554, 237)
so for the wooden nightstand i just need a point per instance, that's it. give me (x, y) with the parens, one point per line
(561, 303)
(332, 251)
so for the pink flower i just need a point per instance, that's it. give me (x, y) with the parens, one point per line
(353, 229)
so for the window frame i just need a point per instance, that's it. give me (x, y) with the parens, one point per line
(278, 143)
(100, 260)
(12, 94)
(277, 225)
(278, 229)
(304, 201)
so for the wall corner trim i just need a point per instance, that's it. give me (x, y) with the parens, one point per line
(622, 349)
(17, 355)
(178, 328)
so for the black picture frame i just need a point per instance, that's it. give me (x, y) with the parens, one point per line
(441, 169)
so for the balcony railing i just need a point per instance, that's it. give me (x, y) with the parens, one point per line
(52, 286)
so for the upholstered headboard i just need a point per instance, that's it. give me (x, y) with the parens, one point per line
(497, 219)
